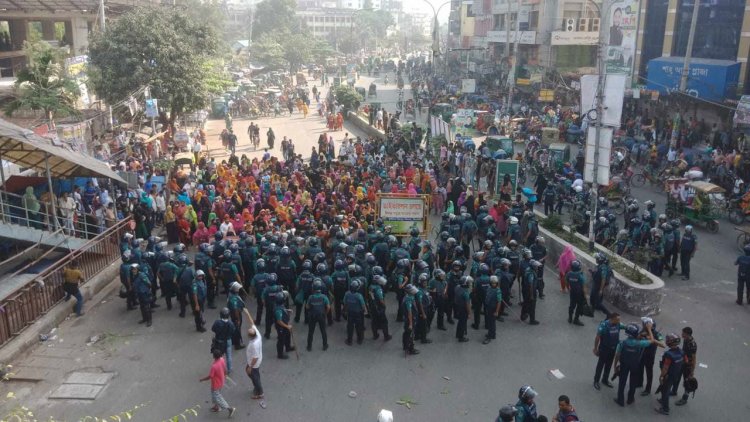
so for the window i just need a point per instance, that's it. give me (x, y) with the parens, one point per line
(533, 20)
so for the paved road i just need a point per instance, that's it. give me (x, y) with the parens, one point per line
(161, 365)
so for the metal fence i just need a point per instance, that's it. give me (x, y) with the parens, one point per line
(28, 303)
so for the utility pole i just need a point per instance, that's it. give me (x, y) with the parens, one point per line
(689, 50)
(600, 84)
(102, 24)
(512, 83)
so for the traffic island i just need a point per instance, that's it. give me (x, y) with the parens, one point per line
(632, 289)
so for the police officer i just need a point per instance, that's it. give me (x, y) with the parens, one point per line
(672, 363)
(627, 361)
(317, 306)
(400, 280)
(198, 293)
(424, 309)
(492, 299)
(605, 347)
(743, 274)
(205, 263)
(283, 328)
(507, 413)
(525, 406)
(437, 288)
(539, 252)
(341, 283)
(688, 246)
(506, 283)
(462, 307)
(453, 280)
(377, 308)
(236, 307)
(479, 292)
(648, 357)
(304, 288)
(185, 280)
(126, 280)
(258, 283)
(599, 281)
(141, 285)
(354, 310)
(549, 194)
(410, 317)
(528, 293)
(167, 272)
(228, 270)
(223, 329)
(576, 285)
(269, 294)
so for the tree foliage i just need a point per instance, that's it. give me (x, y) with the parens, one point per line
(285, 50)
(348, 97)
(44, 85)
(275, 16)
(173, 52)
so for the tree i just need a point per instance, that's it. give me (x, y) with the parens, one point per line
(296, 51)
(348, 97)
(320, 51)
(275, 16)
(268, 51)
(173, 53)
(44, 85)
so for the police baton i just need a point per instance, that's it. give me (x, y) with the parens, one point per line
(294, 343)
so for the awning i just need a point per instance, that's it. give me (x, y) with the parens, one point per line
(29, 150)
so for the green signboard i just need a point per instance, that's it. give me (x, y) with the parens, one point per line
(506, 167)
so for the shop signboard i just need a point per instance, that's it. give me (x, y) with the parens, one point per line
(712, 80)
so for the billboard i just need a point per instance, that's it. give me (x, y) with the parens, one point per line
(708, 79)
(621, 38)
(504, 167)
(403, 213)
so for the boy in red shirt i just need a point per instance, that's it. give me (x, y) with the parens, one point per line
(217, 374)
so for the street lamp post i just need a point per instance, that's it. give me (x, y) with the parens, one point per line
(435, 29)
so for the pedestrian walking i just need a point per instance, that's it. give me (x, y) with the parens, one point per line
(254, 355)
(217, 376)
(72, 276)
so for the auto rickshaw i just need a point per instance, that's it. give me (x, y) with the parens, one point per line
(495, 143)
(558, 155)
(372, 91)
(301, 79)
(218, 107)
(360, 91)
(550, 135)
(696, 202)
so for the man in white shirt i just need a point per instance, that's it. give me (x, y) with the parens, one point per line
(67, 207)
(254, 354)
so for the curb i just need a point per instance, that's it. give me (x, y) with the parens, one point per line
(93, 292)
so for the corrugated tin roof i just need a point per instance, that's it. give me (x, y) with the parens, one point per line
(27, 149)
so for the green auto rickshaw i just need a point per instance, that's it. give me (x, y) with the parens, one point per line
(559, 154)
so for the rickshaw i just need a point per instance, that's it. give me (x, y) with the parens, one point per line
(372, 91)
(495, 143)
(695, 202)
(301, 79)
(558, 155)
